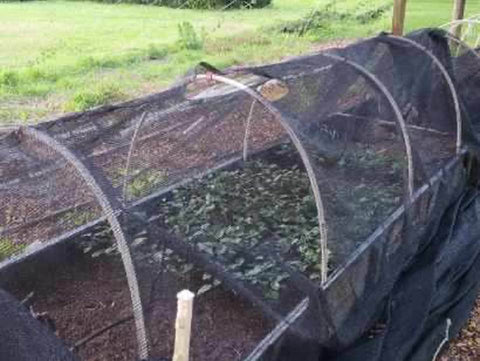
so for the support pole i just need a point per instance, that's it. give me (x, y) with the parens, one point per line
(183, 325)
(399, 9)
(458, 14)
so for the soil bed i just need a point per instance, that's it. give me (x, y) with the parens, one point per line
(90, 293)
(269, 201)
(257, 209)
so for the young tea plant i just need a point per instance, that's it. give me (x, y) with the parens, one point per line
(8, 248)
(139, 182)
(78, 218)
(143, 183)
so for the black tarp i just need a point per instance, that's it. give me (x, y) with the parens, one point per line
(24, 338)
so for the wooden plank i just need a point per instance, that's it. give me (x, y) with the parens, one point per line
(399, 9)
(183, 326)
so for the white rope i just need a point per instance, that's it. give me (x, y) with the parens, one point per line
(445, 340)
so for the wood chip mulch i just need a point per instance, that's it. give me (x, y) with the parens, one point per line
(466, 346)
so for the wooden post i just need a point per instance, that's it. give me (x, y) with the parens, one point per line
(399, 9)
(183, 325)
(458, 14)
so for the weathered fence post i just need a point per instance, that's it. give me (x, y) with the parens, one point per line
(183, 325)
(399, 9)
(458, 14)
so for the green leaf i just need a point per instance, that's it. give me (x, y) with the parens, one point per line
(204, 289)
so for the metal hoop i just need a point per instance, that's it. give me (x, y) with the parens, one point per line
(453, 38)
(448, 79)
(111, 211)
(303, 154)
(129, 156)
(398, 114)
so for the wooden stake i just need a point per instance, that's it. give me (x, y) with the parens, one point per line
(458, 14)
(399, 9)
(183, 325)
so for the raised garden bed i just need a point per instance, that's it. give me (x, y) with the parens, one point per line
(79, 299)
(87, 294)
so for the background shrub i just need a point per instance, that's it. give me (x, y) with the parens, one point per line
(188, 37)
(215, 4)
(8, 78)
(198, 4)
(101, 94)
(366, 11)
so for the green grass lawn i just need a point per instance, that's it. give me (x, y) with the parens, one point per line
(422, 13)
(59, 56)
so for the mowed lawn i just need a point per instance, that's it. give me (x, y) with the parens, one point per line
(59, 56)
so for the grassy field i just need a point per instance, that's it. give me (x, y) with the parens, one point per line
(60, 56)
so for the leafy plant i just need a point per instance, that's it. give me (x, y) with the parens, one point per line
(188, 37)
(99, 242)
(366, 11)
(249, 218)
(262, 209)
(78, 218)
(140, 182)
(143, 183)
(9, 78)
(200, 4)
(8, 248)
(370, 159)
(103, 94)
(156, 53)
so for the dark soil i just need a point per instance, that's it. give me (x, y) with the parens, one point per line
(30, 213)
(90, 293)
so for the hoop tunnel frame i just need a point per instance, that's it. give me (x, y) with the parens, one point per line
(303, 154)
(453, 38)
(398, 114)
(448, 79)
(470, 21)
(400, 120)
(115, 225)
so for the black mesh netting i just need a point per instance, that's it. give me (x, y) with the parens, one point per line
(320, 208)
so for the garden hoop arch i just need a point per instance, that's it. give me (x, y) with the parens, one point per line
(448, 79)
(111, 211)
(396, 109)
(301, 150)
(304, 155)
(471, 22)
(458, 41)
